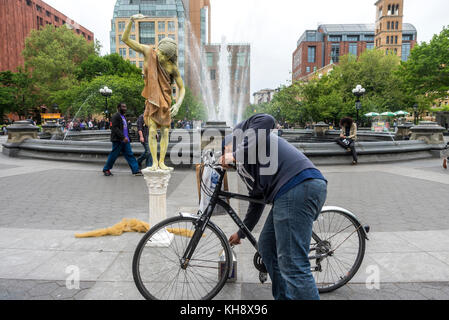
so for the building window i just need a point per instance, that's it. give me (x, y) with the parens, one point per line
(405, 51)
(56, 19)
(396, 40)
(307, 69)
(353, 48)
(171, 26)
(122, 52)
(132, 53)
(160, 37)
(397, 25)
(388, 25)
(241, 59)
(121, 26)
(161, 26)
(237, 74)
(210, 59)
(407, 37)
(369, 46)
(147, 33)
(141, 65)
(172, 36)
(212, 74)
(335, 53)
(311, 54)
(388, 39)
(352, 38)
(335, 38)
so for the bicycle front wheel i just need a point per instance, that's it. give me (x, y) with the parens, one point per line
(158, 268)
(339, 240)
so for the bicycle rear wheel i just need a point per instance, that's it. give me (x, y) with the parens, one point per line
(341, 243)
(157, 266)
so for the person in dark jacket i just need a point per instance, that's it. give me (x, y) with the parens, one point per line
(297, 190)
(121, 143)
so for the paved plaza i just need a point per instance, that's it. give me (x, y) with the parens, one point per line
(44, 203)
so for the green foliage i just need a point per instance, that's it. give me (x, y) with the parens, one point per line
(53, 56)
(427, 70)
(16, 93)
(253, 109)
(85, 100)
(112, 64)
(192, 108)
(330, 98)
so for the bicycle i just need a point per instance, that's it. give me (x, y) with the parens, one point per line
(195, 259)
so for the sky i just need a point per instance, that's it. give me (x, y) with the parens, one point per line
(272, 27)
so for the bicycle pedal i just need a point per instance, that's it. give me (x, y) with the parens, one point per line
(263, 277)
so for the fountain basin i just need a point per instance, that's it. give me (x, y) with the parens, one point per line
(319, 153)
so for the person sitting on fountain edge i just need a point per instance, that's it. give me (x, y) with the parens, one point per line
(121, 143)
(296, 189)
(348, 137)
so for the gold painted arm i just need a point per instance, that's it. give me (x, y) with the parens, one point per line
(136, 46)
(182, 92)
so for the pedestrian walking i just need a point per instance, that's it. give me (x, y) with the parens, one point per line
(143, 131)
(121, 143)
(445, 154)
(296, 189)
(348, 137)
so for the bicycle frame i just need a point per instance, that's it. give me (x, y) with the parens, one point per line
(218, 199)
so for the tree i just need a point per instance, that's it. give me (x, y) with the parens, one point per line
(53, 56)
(426, 72)
(253, 109)
(112, 64)
(192, 108)
(16, 93)
(85, 100)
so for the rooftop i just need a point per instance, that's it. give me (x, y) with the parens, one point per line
(349, 29)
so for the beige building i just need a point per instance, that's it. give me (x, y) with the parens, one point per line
(389, 27)
(263, 96)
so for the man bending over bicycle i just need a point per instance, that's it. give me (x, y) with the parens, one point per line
(296, 189)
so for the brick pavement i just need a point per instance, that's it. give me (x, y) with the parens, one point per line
(44, 203)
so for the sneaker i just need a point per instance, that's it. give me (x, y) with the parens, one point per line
(445, 163)
(354, 163)
(107, 173)
(138, 174)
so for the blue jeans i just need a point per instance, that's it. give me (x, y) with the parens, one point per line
(284, 243)
(146, 156)
(125, 148)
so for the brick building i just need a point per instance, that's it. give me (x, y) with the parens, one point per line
(316, 49)
(18, 18)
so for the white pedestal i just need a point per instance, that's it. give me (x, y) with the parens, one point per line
(157, 183)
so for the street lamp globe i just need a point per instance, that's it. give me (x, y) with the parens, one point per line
(358, 91)
(106, 91)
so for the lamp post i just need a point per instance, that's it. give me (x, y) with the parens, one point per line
(106, 92)
(415, 108)
(359, 91)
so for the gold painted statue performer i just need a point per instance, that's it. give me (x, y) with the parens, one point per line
(160, 71)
